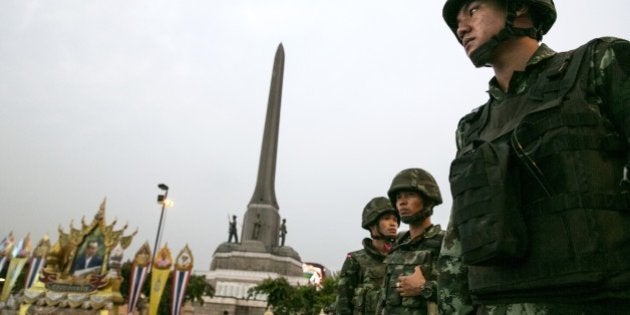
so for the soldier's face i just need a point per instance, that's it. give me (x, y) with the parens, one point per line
(409, 203)
(388, 224)
(477, 22)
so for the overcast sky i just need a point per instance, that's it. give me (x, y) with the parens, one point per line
(106, 99)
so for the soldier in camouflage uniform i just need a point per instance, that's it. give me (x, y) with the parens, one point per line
(410, 282)
(540, 221)
(362, 272)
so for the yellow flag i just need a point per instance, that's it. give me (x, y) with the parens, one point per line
(158, 282)
(15, 267)
(21, 254)
(160, 272)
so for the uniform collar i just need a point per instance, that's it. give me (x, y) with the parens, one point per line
(370, 249)
(429, 232)
(517, 83)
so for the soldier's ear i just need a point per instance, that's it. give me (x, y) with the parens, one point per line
(373, 230)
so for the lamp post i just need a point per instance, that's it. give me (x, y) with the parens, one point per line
(162, 200)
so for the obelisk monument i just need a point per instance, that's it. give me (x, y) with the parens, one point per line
(262, 219)
(259, 256)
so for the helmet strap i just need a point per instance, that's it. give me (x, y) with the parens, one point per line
(418, 217)
(382, 237)
(483, 54)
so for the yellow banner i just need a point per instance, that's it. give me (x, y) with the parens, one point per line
(15, 267)
(158, 282)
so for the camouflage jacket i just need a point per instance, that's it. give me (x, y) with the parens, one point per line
(360, 281)
(608, 86)
(406, 254)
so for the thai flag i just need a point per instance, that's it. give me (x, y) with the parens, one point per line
(4, 244)
(3, 259)
(180, 281)
(138, 275)
(33, 271)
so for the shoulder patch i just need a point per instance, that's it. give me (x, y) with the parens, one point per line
(433, 231)
(622, 54)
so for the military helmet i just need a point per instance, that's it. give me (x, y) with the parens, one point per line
(415, 179)
(543, 13)
(374, 209)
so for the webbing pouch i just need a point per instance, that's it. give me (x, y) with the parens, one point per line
(365, 299)
(486, 207)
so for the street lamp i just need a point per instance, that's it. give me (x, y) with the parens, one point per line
(161, 199)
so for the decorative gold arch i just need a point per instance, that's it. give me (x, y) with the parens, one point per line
(99, 286)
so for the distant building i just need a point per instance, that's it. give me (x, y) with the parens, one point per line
(315, 273)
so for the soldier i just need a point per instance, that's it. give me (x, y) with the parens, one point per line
(411, 277)
(362, 272)
(540, 216)
(232, 230)
(283, 231)
(257, 225)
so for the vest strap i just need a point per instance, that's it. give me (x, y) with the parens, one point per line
(560, 76)
(580, 142)
(576, 200)
(527, 132)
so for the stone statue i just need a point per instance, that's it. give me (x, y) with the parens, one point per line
(283, 231)
(232, 230)
(257, 225)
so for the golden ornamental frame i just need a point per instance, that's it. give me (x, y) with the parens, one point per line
(58, 286)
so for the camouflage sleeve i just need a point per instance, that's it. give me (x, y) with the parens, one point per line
(435, 270)
(610, 77)
(453, 295)
(346, 284)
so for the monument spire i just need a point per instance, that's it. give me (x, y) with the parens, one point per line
(262, 220)
(265, 192)
(237, 266)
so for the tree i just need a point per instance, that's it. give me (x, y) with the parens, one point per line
(285, 299)
(279, 293)
(197, 288)
(328, 294)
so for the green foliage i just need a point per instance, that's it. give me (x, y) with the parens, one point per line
(328, 294)
(278, 293)
(197, 288)
(285, 299)
(125, 273)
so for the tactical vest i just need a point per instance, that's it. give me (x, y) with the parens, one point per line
(367, 291)
(563, 162)
(402, 261)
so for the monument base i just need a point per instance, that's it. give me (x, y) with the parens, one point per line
(252, 256)
(238, 267)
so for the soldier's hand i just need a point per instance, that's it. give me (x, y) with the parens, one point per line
(411, 285)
